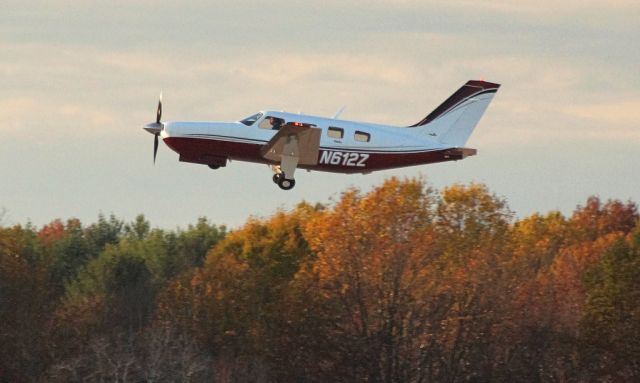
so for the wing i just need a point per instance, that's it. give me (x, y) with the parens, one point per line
(294, 139)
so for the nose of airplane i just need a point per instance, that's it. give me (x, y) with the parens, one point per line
(154, 127)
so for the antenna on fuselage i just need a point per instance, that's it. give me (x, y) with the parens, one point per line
(339, 112)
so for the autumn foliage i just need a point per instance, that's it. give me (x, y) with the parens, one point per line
(400, 284)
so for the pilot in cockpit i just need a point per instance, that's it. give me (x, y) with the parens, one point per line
(276, 123)
(271, 122)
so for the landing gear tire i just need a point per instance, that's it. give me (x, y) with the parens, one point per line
(276, 178)
(286, 184)
(214, 167)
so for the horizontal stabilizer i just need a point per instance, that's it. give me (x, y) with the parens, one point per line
(459, 153)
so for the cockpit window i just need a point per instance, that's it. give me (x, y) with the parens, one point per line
(271, 123)
(251, 119)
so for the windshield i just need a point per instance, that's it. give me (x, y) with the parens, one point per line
(251, 119)
(271, 123)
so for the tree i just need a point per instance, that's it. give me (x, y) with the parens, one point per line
(611, 321)
(372, 281)
(104, 232)
(129, 292)
(67, 251)
(25, 302)
(233, 304)
(398, 284)
(595, 218)
(195, 242)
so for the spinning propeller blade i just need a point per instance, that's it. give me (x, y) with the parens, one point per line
(155, 147)
(159, 111)
(156, 128)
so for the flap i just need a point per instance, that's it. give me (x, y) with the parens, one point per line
(294, 139)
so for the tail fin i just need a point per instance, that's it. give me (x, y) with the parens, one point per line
(453, 121)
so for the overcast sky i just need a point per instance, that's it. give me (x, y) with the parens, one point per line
(78, 80)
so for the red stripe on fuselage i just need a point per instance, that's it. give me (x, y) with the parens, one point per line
(200, 150)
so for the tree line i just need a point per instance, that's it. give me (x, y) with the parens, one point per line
(400, 284)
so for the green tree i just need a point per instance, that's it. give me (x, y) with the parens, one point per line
(69, 251)
(611, 321)
(129, 292)
(139, 228)
(104, 232)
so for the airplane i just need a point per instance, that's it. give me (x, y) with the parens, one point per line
(288, 141)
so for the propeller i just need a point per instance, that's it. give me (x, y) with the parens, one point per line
(155, 128)
(155, 147)
(159, 111)
(155, 138)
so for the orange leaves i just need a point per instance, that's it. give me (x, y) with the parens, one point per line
(401, 283)
(51, 232)
(595, 218)
(365, 231)
(237, 295)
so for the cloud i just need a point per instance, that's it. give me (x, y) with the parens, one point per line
(611, 120)
(396, 77)
(541, 97)
(15, 112)
(40, 117)
(76, 88)
(625, 112)
(530, 7)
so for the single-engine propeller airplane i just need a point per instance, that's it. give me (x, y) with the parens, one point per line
(287, 141)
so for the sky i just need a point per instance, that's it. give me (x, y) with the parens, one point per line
(79, 79)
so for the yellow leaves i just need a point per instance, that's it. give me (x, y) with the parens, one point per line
(472, 208)
(536, 226)
(400, 270)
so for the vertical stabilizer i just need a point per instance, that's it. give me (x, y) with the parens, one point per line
(453, 121)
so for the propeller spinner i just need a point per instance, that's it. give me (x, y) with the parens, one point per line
(155, 128)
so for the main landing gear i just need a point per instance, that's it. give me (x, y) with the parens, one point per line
(289, 158)
(280, 179)
(282, 182)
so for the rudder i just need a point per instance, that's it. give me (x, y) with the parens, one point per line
(453, 121)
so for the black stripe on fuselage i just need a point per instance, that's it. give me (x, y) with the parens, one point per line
(252, 140)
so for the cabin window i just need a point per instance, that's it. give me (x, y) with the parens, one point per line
(251, 119)
(270, 122)
(362, 136)
(334, 132)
